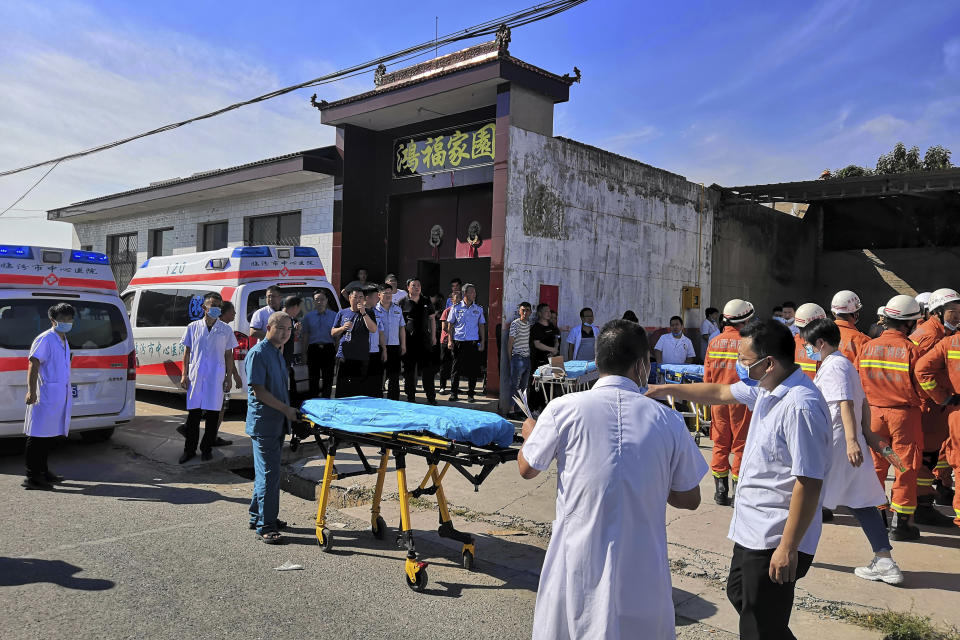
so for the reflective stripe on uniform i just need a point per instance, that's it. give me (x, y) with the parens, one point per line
(953, 355)
(888, 364)
(924, 482)
(899, 508)
(720, 474)
(807, 366)
(942, 464)
(727, 355)
(927, 386)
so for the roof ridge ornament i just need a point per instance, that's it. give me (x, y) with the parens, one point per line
(576, 75)
(379, 74)
(503, 39)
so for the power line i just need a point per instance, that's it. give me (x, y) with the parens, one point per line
(27, 192)
(513, 20)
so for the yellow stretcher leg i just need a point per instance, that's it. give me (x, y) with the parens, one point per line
(446, 530)
(377, 524)
(323, 534)
(416, 571)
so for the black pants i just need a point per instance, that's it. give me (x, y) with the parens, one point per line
(392, 369)
(36, 452)
(419, 360)
(466, 363)
(211, 426)
(320, 361)
(764, 606)
(351, 378)
(373, 384)
(446, 364)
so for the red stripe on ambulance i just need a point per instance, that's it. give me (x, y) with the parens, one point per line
(40, 281)
(19, 363)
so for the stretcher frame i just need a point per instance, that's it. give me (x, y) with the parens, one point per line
(565, 384)
(458, 455)
(700, 413)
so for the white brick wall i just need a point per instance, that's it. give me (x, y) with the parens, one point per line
(314, 201)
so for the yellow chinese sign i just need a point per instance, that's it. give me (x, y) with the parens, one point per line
(470, 146)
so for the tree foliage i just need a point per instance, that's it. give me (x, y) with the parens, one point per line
(900, 160)
(852, 171)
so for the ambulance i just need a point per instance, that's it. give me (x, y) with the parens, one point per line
(102, 376)
(166, 294)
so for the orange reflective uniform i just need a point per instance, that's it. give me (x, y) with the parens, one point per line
(851, 339)
(936, 429)
(887, 366)
(729, 423)
(939, 375)
(800, 358)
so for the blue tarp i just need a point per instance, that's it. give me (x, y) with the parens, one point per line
(362, 414)
(577, 368)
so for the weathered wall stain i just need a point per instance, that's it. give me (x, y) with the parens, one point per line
(542, 211)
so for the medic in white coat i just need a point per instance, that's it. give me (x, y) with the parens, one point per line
(49, 398)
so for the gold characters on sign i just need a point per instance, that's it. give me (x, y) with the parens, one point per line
(441, 152)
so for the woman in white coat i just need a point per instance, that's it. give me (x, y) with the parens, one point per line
(850, 482)
(49, 399)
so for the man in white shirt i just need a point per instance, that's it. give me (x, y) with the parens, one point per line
(258, 321)
(710, 329)
(776, 524)
(606, 573)
(674, 347)
(582, 339)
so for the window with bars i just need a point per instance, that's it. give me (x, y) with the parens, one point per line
(122, 251)
(214, 236)
(281, 229)
(160, 242)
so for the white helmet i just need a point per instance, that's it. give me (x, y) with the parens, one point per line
(807, 313)
(902, 308)
(940, 297)
(845, 302)
(737, 311)
(880, 311)
(923, 298)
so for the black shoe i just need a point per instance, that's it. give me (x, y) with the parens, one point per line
(471, 399)
(182, 430)
(51, 477)
(206, 455)
(187, 455)
(721, 495)
(221, 442)
(901, 530)
(432, 401)
(826, 515)
(453, 397)
(36, 483)
(944, 495)
(926, 514)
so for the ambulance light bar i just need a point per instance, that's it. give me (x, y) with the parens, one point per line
(89, 257)
(8, 251)
(305, 252)
(251, 252)
(218, 263)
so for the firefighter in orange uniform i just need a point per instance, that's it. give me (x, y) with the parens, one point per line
(729, 423)
(934, 481)
(845, 307)
(887, 366)
(805, 314)
(939, 375)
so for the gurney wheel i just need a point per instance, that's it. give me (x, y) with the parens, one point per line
(467, 560)
(381, 529)
(327, 543)
(696, 439)
(420, 583)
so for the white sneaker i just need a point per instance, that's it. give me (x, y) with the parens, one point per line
(884, 569)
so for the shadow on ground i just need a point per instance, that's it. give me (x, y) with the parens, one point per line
(20, 571)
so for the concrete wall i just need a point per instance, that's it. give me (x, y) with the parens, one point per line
(314, 200)
(878, 275)
(613, 233)
(764, 256)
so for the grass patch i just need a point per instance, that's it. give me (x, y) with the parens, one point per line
(899, 626)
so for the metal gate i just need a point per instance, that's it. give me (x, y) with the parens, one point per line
(122, 251)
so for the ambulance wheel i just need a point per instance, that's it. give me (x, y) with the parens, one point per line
(12, 446)
(420, 583)
(327, 544)
(380, 531)
(467, 560)
(96, 435)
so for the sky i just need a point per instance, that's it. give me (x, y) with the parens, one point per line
(731, 93)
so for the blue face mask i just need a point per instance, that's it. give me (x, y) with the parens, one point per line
(63, 327)
(744, 373)
(214, 312)
(812, 353)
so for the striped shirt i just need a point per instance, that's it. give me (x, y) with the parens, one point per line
(520, 332)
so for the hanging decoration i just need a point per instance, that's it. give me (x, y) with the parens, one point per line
(436, 238)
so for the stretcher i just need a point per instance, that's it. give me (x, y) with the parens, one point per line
(450, 436)
(698, 413)
(576, 375)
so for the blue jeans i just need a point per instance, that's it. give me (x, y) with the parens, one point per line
(872, 524)
(265, 504)
(519, 373)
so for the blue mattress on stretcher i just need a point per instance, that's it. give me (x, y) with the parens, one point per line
(680, 369)
(361, 414)
(577, 368)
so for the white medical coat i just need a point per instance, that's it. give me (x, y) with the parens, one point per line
(207, 368)
(854, 487)
(49, 416)
(619, 454)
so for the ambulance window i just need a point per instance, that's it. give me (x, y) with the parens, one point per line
(97, 325)
(128, 301)
(155, 308)
(258, 299)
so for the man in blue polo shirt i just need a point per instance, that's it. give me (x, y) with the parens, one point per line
(352, 328)
(268, 419)
(320, 349)
(467, 340)
(390, 322)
